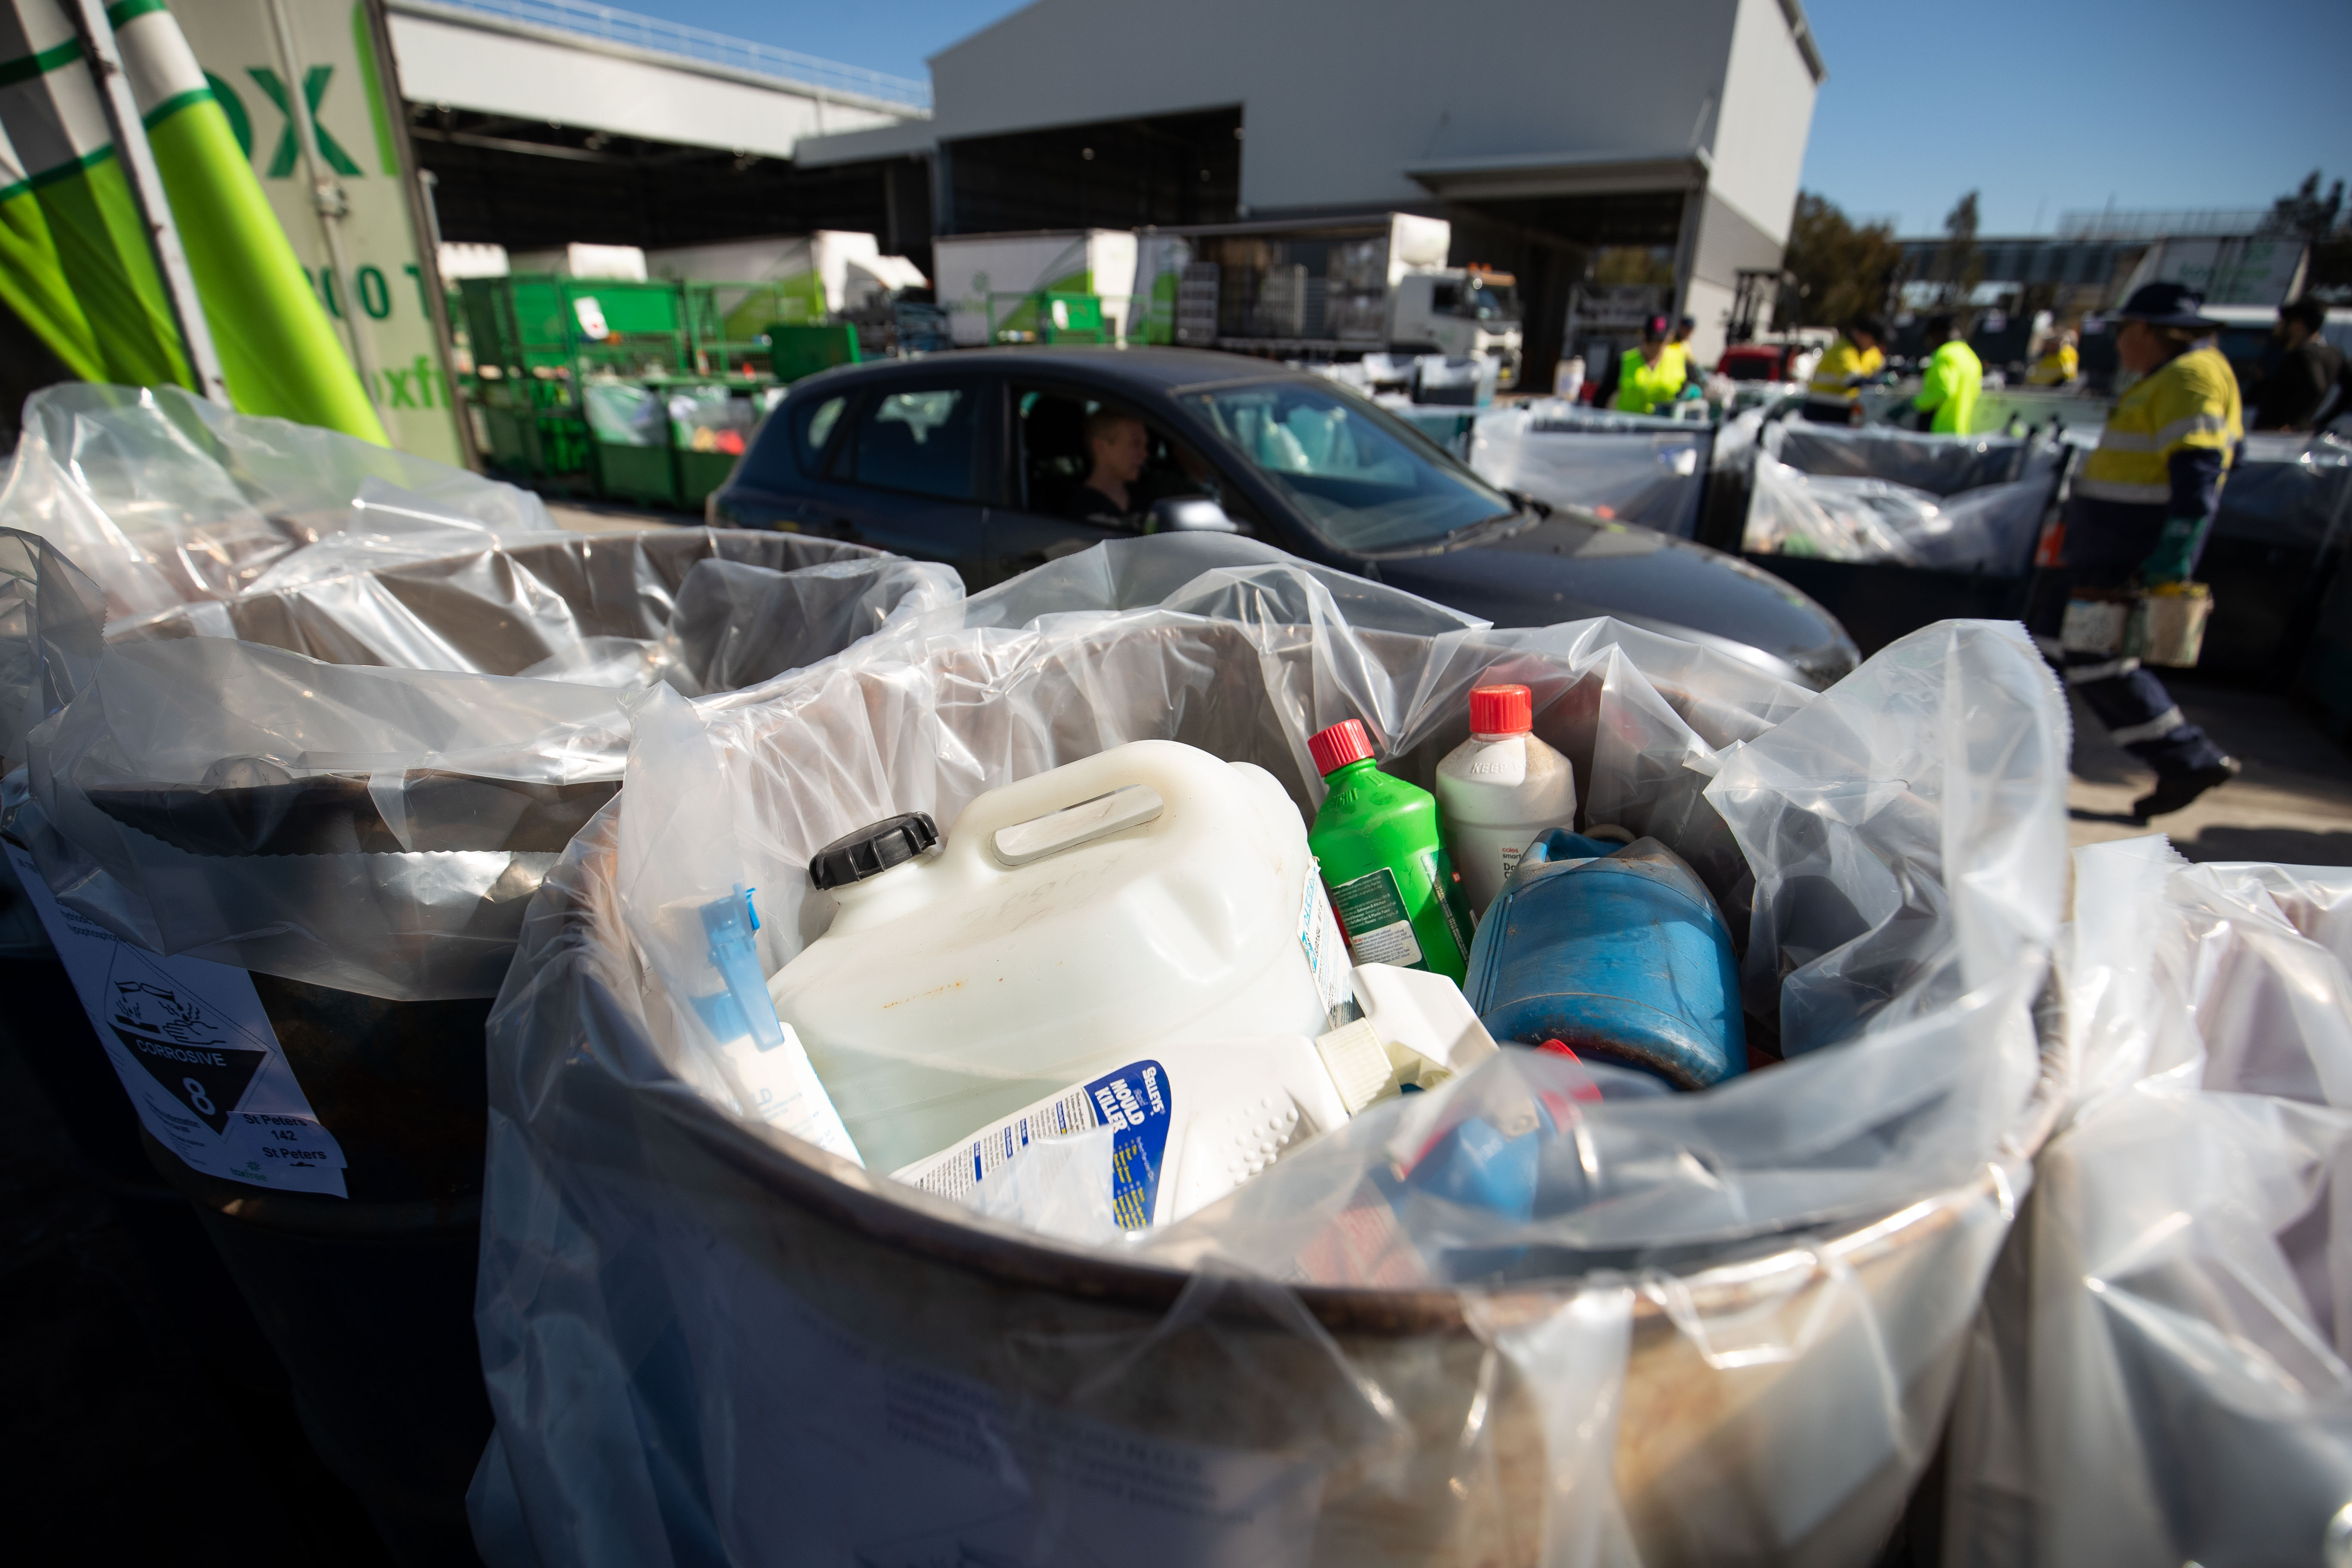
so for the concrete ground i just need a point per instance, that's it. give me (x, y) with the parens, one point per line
(2293, 804)
(598, 517)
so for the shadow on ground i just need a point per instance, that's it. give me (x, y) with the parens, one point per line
(2287, 845)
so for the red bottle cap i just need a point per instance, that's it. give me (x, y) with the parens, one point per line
(1344, 742)
(1502, 711)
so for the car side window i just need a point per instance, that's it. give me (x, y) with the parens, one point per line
(1054, 460)
(920, 440)
(790, 444)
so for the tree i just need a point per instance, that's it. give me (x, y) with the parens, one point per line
(2304, 214)
(1959, 266)
(1841, 271)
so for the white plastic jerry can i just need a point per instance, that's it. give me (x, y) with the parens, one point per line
(1071, 922)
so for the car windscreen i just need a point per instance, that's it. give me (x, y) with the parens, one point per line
(1361, 480)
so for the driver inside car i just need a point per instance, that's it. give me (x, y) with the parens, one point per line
(1120, 447)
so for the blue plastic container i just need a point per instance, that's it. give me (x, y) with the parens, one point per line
(1622, 958)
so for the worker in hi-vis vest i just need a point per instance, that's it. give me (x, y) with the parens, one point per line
(2059, 363)
(1649, 377)
(1678, 349)
(1835, 394)
(1947, 393)
(2140, 510)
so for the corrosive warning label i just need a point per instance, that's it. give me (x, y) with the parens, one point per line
(196, 1053)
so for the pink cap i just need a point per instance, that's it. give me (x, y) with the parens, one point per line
(1502, 711)
(1344, 742)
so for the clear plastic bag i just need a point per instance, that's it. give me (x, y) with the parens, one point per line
(2163, 1370)
(339, 737)
(1724, 1333)
(1943, 503)
(376, 826)
(2283, 490)
(1652, 477)
(167, 500)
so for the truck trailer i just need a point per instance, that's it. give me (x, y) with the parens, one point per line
(1333, 289)
(1054, 285)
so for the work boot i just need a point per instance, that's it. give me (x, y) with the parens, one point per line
(2174, 791)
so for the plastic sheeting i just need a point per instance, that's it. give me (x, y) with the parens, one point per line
(1943, 503)
(2163, 1372)
(706, 1340)
(376, 826)
(338, 739)
(1632, 469)
(167, 500)
(2287, 489)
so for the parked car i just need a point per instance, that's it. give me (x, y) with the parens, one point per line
(975, 458)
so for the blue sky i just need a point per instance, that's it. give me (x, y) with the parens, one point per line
(2042, 105)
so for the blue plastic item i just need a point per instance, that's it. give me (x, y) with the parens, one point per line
(1622, 957)
(743, 1007)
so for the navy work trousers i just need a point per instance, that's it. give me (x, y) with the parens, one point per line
(2106, 542)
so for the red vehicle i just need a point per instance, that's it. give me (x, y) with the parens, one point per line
(1760, 362)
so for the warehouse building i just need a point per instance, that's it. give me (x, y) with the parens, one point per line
(1606, 152)
(1617, 156)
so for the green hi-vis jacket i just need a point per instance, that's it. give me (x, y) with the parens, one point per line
(1643, 386)
(1955, 376)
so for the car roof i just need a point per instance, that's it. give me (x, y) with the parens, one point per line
(1164, 368)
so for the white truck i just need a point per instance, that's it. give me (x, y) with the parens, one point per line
(805, 279)
(1334, 289)
(1010, 288)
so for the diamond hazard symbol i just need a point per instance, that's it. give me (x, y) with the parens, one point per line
(168, 1035)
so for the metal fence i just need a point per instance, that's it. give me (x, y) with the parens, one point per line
(660, 36)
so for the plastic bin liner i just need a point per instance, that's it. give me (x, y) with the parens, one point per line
(2282, 490)
(620, 414)
(1846, 508)
(705, 1341)
(167, 500)
(708, 420)
(1652, 477)
(2162, 1371)
(375, 828)
(1940, 465)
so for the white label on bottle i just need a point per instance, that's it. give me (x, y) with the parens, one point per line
(1326, 948)
(783, 1089)
(196, 1053)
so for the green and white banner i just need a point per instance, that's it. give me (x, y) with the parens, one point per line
(353, 348)
(377, 304)
(74, 258)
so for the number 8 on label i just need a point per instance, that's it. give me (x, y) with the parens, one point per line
(198, 1097)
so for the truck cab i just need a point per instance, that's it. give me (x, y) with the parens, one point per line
(1464, 312)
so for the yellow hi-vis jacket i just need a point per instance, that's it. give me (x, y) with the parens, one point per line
(1643, 386)
(2055, 368)
(1843, 368)
(2192, 402)
(1955, 375)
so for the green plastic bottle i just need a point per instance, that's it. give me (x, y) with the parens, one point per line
(1383, 861)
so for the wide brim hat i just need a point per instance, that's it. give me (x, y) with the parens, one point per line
(2168, 305)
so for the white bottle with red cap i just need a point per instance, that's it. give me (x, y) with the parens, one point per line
(1500, 790)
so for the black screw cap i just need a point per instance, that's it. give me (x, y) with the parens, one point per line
(872, 849)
